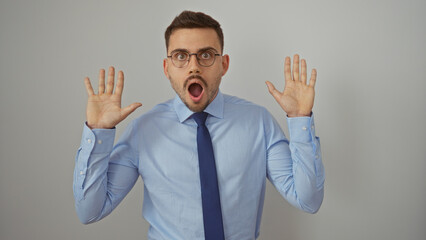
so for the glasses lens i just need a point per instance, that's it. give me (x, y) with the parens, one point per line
(180, 58)
(206, 57)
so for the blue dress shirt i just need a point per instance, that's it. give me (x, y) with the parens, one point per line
(161, 147)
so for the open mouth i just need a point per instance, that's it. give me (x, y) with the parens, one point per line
(195, 91)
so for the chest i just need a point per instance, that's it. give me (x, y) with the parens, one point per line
(168, 156)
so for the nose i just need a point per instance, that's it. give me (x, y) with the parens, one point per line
(193, 65)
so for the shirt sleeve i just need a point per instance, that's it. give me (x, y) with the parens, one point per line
(103, 174)
(295, 167)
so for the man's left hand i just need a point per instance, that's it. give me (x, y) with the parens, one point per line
(297, 99)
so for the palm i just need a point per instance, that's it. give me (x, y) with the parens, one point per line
(104, 109)
(297, 99)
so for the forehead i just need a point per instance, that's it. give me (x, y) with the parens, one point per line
(194, 39)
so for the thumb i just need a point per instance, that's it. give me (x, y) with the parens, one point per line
(129, 109)
(274, 92)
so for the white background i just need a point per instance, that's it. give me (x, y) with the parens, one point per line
(369, 108)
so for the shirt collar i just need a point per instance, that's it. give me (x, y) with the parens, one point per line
(215, 108)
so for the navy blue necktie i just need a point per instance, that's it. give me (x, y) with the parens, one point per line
(212, 213)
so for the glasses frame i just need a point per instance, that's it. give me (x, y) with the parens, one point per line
(196, 56)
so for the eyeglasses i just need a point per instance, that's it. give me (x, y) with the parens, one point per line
(206, 57)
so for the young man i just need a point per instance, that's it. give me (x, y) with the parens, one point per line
(203, 156)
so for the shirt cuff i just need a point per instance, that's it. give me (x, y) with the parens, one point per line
(301, 129)
(97, 140)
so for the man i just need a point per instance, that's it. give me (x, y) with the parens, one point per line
(203, 179)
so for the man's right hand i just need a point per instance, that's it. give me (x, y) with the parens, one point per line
(104, 109)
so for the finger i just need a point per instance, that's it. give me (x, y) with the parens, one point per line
(120, 83)
(273, 91)
(313, 78)
(89, 88)
(101, 87)
(303, 73)
(129, 109)
(296, 67)
(287, 69)
(110, 83)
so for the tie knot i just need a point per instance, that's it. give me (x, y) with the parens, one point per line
(200, 118)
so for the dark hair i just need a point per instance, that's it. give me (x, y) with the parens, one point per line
(189, 19)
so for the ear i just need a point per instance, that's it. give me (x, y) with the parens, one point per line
(166, 67)
(225, 64)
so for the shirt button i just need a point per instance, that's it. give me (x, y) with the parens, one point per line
(312, 126)
(304, 128)
(99, 141)
(316, 156)
(81, 172)
(89, 140)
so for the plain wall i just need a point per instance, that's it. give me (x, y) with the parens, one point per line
(369, 107)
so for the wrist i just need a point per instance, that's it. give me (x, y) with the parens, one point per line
(91, 126)
(94, 126)
(292, 115)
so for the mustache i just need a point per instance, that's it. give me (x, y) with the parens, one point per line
(194, 77)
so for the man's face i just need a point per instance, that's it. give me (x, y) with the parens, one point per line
(196, 85)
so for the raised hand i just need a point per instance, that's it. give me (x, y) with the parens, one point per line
(104, 109)
(297, 99)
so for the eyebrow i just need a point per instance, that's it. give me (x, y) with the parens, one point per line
(201, 49)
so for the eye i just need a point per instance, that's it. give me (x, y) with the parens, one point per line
(180, 56)
(206, 54)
